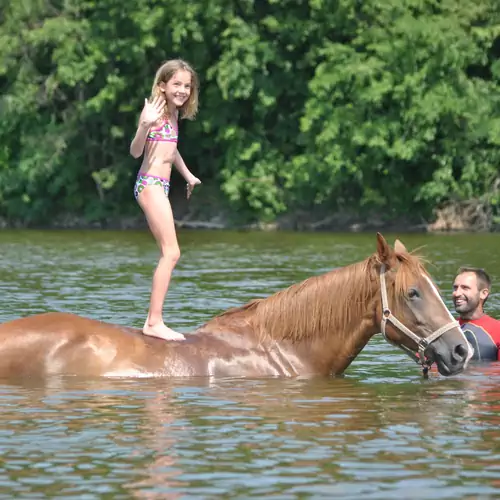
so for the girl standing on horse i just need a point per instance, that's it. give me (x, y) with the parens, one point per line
(174, 95)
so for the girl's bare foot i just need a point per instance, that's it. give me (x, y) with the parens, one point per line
(161, 331)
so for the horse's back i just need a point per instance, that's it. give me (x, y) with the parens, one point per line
(66, 343)
(58, 323)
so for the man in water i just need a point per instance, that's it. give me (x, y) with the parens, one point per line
(471, 289)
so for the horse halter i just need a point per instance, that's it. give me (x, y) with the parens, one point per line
(422, 342)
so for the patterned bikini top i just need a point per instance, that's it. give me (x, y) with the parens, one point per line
(164, 133)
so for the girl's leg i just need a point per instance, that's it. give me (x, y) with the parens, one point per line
(158, 211)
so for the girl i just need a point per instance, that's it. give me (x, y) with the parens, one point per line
(174, 92)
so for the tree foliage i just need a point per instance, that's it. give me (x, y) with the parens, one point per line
(389, 105)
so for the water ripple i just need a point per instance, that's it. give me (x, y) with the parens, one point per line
(378, 432)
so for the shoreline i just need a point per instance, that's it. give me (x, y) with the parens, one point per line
(207, 212)
(334, 224)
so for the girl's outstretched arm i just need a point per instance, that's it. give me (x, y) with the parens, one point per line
(181, 167)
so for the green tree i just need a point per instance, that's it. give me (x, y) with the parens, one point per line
(389, 105)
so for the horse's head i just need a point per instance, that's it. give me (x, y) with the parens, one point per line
(413, 315)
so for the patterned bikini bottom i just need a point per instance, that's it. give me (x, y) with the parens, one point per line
(145, 180)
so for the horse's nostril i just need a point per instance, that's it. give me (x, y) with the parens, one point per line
(460, 352)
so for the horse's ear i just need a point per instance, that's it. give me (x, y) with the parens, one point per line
(399, 247)
(385, 253)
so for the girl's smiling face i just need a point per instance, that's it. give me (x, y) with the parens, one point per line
(178, 89)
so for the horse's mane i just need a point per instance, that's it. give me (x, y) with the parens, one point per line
(330, 302)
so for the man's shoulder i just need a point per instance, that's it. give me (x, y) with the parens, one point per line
(489, 324)
(489, 319)
(485, 318)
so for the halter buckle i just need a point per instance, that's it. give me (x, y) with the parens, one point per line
(423, 345)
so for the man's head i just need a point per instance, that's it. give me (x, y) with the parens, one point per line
(470, 291)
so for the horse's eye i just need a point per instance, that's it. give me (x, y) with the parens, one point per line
(413, 294)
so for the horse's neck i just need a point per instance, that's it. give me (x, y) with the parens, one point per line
(333, 304)
(326, 319)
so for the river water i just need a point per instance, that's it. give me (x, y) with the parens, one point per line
(381, 431)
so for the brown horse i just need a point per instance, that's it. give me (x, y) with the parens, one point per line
(316, 327)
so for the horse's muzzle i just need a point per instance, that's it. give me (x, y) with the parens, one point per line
(451, 360)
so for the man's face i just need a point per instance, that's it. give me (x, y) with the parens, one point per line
(467, 297)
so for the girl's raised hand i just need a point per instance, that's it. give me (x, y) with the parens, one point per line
(152, 111)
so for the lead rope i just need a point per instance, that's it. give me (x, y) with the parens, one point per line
(422, 343)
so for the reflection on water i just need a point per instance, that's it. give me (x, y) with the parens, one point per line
(379, 432)
(156, 439)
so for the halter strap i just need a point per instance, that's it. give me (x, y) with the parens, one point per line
(422, 342)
